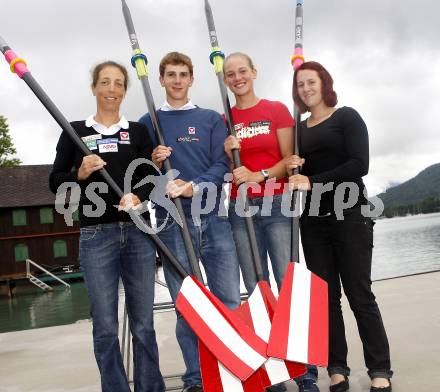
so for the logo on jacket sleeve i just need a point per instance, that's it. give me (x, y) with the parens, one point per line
(191, 130)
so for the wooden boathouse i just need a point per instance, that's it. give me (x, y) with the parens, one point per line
(30, 227)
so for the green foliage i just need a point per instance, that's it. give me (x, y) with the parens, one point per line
(419, 195)
(425, 206)
(7, 148)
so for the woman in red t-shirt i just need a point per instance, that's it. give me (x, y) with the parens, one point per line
(265, 138)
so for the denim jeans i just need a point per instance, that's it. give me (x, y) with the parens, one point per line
(272, 230)
(109, 252)
(341, 251)
(215, 248)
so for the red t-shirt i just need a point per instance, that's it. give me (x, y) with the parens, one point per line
(257, 128)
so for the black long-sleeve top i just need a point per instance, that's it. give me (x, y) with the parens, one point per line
(335, 150)
(120, 149)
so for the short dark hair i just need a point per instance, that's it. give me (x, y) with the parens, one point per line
(328, 94)
(175, 58)
(99, 67)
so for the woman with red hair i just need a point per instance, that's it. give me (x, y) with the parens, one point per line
(336, 233)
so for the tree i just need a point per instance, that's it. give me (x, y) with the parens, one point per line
(6, 146)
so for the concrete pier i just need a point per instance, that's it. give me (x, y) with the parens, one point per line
(60, 359)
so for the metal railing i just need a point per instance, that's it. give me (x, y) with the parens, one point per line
(126, 341)
(33, 279)
(125, 344)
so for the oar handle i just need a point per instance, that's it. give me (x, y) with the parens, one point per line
(296, 60)
(67, 127)
(217, 59)
(140, 62)
(3, 45)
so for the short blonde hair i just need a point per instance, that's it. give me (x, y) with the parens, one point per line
(239, 54)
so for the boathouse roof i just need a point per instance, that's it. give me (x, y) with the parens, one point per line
(25, 186)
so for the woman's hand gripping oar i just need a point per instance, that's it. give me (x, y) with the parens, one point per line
(242, 357)
(223, 332)
(300, 323)
(257, 311)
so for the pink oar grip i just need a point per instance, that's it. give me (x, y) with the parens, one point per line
(298, 61)
(20, 67)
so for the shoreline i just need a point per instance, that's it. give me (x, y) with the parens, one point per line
(58, 359)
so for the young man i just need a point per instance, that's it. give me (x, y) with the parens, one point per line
(194, 140)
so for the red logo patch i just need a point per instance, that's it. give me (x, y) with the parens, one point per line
(192, 130)
(124, 135)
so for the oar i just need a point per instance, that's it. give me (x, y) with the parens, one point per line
(263, 294)
(217, 379)
(139, 62)
(257, 311)
(239, 348)
(300, 323)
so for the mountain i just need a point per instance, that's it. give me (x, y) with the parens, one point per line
(415, 193)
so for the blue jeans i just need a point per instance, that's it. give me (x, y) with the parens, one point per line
(272, 229)
(215, 248)
(109, 252)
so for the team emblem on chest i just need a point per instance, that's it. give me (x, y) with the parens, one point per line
(191, 130)
(124, 138)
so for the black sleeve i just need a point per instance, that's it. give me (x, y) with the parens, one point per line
(356, 147)
(145, 149)
(63, 164)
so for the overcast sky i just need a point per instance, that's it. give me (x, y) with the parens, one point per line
(384, 57)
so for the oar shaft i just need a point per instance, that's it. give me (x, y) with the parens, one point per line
(140, 63)
(297, 60)
(217, 60)
(67, 127)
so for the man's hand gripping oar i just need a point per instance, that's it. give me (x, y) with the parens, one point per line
(257, 311)
(227, 337)
(230, 339)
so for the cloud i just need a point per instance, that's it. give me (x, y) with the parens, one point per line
(384, 57)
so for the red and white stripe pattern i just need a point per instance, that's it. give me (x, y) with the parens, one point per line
(216, 378)
(300, 324)
(261, 305)
(230, 340)
(256, 312)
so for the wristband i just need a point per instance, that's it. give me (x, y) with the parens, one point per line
(265, 174)
(195, 188)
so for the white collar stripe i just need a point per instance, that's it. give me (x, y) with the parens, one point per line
(166, 107)
(102, 129)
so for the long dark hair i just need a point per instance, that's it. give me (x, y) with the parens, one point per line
(328, 94)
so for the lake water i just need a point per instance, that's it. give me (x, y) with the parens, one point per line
(402, 246)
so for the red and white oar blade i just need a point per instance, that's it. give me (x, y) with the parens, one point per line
(216, 378)
(225, 334)
(300, 324)
(256, 312)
